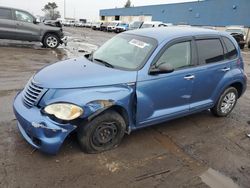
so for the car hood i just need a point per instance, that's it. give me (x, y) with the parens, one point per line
(80, 72)
(53, 23)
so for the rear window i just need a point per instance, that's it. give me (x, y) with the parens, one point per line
(210, 51)
(5, 14)
(231, 50)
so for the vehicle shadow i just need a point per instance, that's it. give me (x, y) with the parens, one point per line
(71, 145)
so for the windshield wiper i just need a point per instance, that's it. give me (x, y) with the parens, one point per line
(104, 62)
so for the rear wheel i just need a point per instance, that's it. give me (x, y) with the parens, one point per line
(51, 41)
(103, 133)
(226, 102)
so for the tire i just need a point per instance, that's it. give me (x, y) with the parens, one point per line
(103, 133)
(249, 45)
(226, 102)
(242, 46)
(51, 41)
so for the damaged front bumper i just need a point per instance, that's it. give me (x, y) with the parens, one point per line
(64, 40)
(38, 130)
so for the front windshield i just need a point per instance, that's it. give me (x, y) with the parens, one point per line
(135, 25)
(122, 24)
(125, 51)
(113, 24)
(147, 26)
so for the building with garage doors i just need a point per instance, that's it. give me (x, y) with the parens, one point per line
(207, 12)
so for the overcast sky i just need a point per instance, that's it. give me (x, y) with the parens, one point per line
(79, 8)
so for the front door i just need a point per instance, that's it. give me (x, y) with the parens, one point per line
(165, 96)
(26, 28)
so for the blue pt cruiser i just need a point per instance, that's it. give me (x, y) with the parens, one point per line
(137, 79)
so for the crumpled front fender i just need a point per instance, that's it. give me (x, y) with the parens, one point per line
(95, 100)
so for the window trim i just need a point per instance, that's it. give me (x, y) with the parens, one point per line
(209, 37)
(237, 57)
(12, 16)
(14, 12)
(193, 55)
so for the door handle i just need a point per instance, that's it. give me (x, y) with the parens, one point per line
(225, 69)
(189, 77)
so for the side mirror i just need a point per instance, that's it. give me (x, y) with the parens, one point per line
(163, 68)
(36, 21)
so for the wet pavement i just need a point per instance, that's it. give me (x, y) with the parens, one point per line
(195, 151)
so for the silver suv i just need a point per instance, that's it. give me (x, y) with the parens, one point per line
(18, 24)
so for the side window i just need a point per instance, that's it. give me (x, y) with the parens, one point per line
(5, 14)
(210, 51)
(231, 50)
(177, 55)
(23, 17)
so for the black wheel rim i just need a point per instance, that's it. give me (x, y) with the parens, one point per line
(105, 134)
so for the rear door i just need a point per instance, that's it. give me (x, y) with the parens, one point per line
(213, 67)
(7, 24)
(26, 28)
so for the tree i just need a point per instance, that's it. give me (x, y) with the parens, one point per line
(50, 11)
(128, 4)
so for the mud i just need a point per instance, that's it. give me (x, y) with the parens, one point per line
(179, 153)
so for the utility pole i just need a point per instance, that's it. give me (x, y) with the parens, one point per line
(64, 9)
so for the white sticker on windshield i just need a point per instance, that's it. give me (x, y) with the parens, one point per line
(138, 43)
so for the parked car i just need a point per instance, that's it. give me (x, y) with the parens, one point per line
(16, 24)
(112, 26)
(151, 24)
(71, 23)
(209, 27)
(166, 25)
(54, 23)
(79, 24)
(97, 25)
(104, 26)
(238, 32)
(137, 79)
(88, 24)
(135, 25)
(121, 27)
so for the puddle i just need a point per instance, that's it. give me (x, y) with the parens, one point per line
(60, 53)
(76, 49)
(215, 179)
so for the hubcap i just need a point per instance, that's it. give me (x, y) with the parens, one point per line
(228, 102)
(105, 134)
(52, 41)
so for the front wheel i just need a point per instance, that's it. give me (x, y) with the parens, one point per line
(226, 102)
(242, 46)
(103, 133)
(51, 41)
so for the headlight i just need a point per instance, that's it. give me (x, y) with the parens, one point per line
(64, 111)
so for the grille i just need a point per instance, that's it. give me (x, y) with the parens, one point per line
(32, 94)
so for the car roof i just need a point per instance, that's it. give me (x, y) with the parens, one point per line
(163, 33)
(153, 22)
(13, 8)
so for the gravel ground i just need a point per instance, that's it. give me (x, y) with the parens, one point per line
(186, 152)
